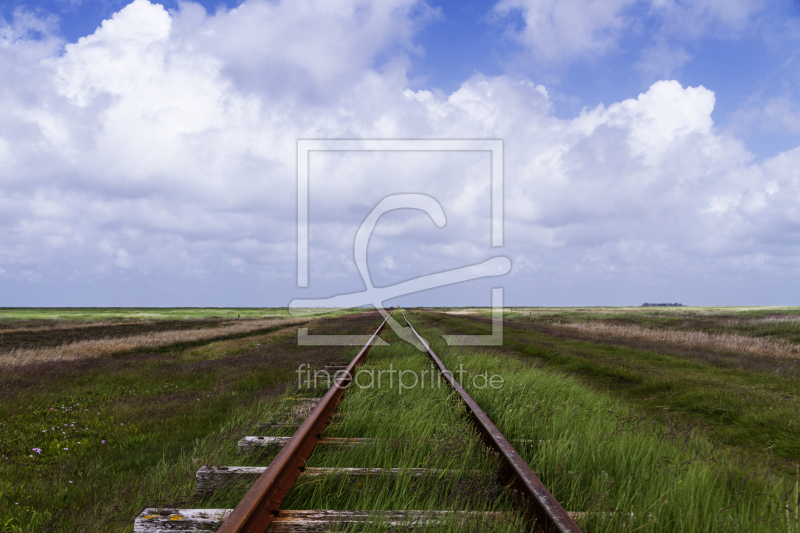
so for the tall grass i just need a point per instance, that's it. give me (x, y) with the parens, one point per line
(130, 432)
(109, 346)
(598, 456)
(627, 472)
(412, 428)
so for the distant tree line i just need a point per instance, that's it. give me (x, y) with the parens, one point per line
(661, 305)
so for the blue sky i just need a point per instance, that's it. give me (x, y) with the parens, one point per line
(147, 153)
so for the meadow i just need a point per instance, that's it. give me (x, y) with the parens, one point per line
(636, 429)
(739, 398)
(53, 315)
(87, 443)
(602, 454)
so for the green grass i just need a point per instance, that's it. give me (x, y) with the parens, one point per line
(600, 454)
(597, 453)
(640, 438)
(151, 409)
(754, 321)
(755, 410)
(151, 313)
(414, 428)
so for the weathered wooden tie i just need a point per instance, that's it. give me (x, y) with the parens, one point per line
(201, 520)
(251, 443)
(209, 479)
(300, 399)
(185, 520)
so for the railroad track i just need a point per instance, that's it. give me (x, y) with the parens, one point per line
(260, 509)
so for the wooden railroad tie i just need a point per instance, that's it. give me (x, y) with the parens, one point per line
(253, 443)
(204, 520)
(210, 479)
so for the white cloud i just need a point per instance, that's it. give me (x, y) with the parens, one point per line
(775, 114)
(308, 48)
(123, 57)
(562, 31)
(721, 17)
(164, 145)
(662, 58)
(665, 114)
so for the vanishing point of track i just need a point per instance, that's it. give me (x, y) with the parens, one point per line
(259, 510)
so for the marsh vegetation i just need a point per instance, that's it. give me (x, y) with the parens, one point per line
(627, 418)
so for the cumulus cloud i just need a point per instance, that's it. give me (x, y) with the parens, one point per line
(163, 146)
(642, 186)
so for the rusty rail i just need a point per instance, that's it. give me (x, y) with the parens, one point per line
(260, 505)
(531, 495)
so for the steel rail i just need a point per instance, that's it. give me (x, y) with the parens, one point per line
(531, 495)
(261, 504)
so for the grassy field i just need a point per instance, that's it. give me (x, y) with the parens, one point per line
(55, 314)
(86, 444)
(413, 428)
(85, 344)
(636, 429)
(601, 454)
(774, 322)
(739, 398)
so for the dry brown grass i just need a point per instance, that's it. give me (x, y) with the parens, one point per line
(722, 341)
(86, 349)
(766, 320)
